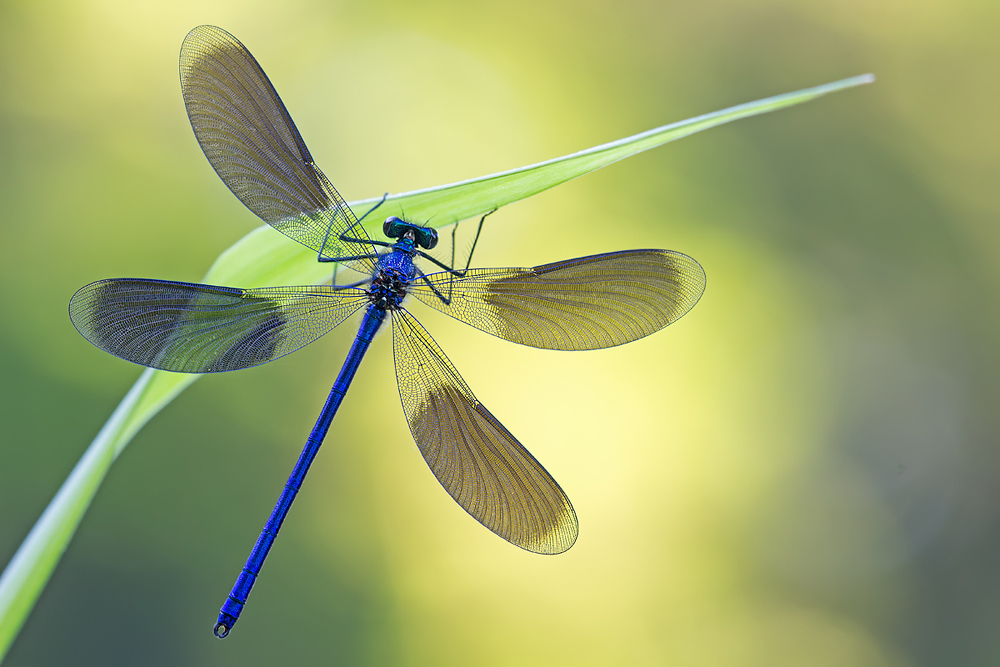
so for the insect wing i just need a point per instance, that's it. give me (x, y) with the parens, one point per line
(191, 328)
(586, 303)
(484, 468)
(252, 143)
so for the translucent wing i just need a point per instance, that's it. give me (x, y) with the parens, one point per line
(254, 146)
(192, 328)
(586, 303)
(477, 460)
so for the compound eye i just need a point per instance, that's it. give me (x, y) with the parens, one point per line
(387, 227)
(430, 238)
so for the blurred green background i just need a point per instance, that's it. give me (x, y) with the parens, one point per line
(803, 470)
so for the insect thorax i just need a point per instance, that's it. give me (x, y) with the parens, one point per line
(388, 288)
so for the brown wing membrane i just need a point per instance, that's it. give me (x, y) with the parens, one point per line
(252, 143)
(192, 328)
(586, 303)
(477, 460)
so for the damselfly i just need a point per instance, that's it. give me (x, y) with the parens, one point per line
(579, 304)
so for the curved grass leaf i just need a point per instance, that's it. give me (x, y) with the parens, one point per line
(263, 258)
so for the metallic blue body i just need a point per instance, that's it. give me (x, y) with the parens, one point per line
(388, 288)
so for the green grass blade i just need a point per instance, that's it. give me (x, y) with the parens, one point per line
(446, 204)
(263, 258)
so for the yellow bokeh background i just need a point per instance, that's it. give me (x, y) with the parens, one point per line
(802, 471)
